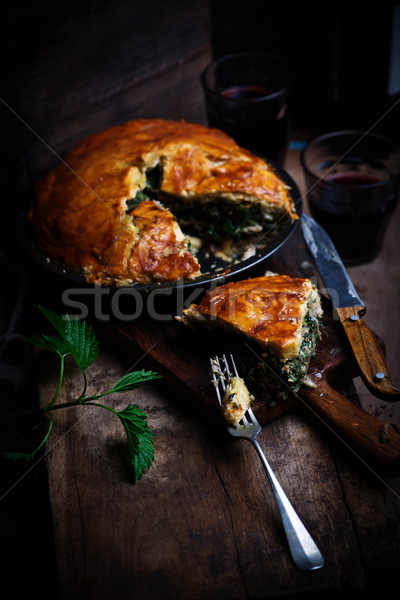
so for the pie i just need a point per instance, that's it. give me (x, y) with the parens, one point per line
(132, 203)
(279, 317)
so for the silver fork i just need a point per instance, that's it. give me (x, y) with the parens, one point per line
(305, 553)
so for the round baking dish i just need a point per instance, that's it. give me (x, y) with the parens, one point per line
(172, 296)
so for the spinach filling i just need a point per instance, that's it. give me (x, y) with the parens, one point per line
(218, 221)
(150, 192)
(296, 368)
(212, 221)
(277, 381)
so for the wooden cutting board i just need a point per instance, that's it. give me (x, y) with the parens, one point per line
(181, 354)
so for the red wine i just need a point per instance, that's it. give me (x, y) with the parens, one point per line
(246, 92)
(352, 179)
(255, 117)
(355, 209)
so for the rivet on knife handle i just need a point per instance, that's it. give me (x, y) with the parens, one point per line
(368, 353)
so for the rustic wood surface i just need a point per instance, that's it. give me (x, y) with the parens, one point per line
(202, 522)
(182, 354)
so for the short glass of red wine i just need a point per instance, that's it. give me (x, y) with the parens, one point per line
(352, 189)
(247, 96)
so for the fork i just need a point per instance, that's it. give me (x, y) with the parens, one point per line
(305, 553)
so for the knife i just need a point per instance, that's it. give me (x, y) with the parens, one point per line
(350, 310)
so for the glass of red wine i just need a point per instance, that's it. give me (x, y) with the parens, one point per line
(247, 96)
(352, 189)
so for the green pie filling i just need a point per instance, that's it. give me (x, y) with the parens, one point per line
(276, 378)
(214, 221)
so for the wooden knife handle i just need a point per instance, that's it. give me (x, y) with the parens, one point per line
(375, 442)
(368, 354)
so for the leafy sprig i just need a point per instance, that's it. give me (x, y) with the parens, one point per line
(77, 338)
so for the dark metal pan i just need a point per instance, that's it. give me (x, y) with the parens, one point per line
(215, 271)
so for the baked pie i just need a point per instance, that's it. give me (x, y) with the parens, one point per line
(277, 315)
(131, 203)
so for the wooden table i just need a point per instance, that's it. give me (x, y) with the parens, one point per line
(202, 523)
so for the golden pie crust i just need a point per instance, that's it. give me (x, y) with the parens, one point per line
(268, 310)
(80, 216)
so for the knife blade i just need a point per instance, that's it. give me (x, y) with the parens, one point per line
(350, 309)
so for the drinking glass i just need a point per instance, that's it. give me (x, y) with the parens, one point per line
(352, 188)
(247, 96)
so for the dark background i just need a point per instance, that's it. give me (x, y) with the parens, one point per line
(74, 67)
(71, 68)
(339, 53)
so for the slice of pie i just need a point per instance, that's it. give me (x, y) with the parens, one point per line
(124, 203)
(277, 315)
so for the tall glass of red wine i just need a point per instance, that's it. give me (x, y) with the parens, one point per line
(247, 97)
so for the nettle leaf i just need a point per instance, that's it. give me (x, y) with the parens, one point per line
(82, 340)
(143, 458)
(51, 342)
(76, 338)
(55, 319)
(140, 438)
(133, 380)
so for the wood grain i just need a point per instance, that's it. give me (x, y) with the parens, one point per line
(183, 354)
(368, 353)
(201, 523)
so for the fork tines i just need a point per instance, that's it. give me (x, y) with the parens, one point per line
(221, 374)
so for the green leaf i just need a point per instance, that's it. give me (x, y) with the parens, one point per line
(133, 380)
(82, 340)
(55, 319)
(76, 338)
(18, 456)
(140, 438)
(143, 457)
(51, 342)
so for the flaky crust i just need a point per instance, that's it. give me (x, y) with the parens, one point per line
(161, 252)
(79, 214)
(269, 310)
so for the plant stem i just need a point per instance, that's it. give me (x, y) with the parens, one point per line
(62, 405)
(60, 380)
(49, 408)
(44, 440)
(102, 406)
(82, 396)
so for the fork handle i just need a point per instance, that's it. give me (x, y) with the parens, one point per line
(305, 553)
